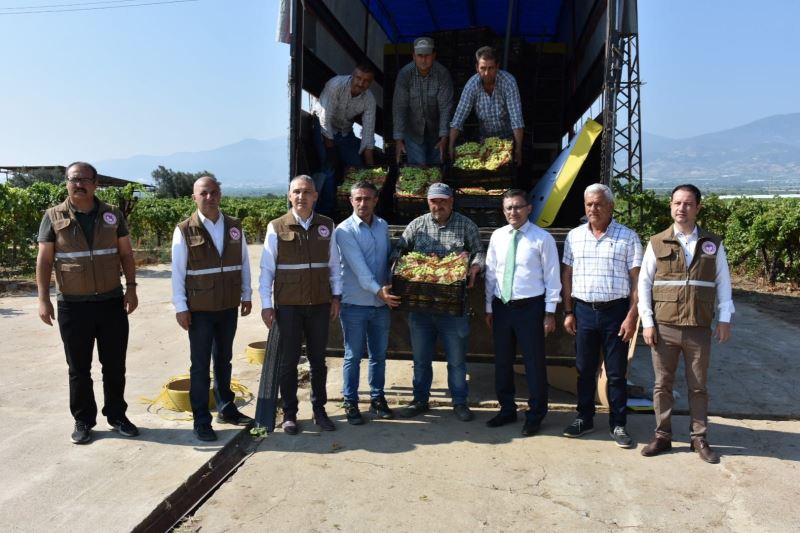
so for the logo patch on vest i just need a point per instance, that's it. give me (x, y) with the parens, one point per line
(709, 248)
(235, 234)
(324, 232)
(109, 217)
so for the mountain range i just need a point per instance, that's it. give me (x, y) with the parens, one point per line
(762, 156)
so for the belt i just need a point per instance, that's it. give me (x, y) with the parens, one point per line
(600, 306)
(524, 301)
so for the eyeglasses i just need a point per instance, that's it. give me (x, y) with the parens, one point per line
(510, 208)
(78, 181)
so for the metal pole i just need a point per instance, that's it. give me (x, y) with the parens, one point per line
(295, 82)
(507, 44)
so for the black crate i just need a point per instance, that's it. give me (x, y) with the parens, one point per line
(407, 208)
(485, 218)
(431, 297)
(479, 201)
(502, 178)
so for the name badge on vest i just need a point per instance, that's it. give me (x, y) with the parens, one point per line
(235, 234)
(324, 232)
(109, 218)
(709, 248)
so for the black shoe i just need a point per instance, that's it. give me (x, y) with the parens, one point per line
(578, 427)
(414, 408)
(530, 429)
(205, 433)
(381, 408)
(621, 437)
(235, 418)
(501, 419)
(124, 427)
(463, 412)
(325, 424)
(82, 433)
(352, 413)
(290, 426)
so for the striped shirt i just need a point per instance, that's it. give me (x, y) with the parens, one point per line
(421, 105)
(498, 113)
(601, 266)
(337, 109)
(458, 234)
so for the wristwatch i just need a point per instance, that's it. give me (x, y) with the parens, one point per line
(568, 312)
(547, 313)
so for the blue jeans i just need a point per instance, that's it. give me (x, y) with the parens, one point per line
(345, 149)
(364, 326)
(425, 153)
(596, 330)
(454, 331)
(525, 325)
(211, 336)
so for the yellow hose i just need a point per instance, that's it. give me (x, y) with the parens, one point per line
(174, 396)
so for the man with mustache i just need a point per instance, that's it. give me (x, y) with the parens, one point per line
(210, 282)
(341, 102)
(441, 232)
(86, 241)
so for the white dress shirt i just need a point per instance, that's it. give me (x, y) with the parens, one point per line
(270, 254)
(180, 259)
(536, 271)
(688, 243)
(337, 110)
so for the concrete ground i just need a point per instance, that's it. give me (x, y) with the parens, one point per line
(431, 474)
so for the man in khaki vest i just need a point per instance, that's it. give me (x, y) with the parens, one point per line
(210, 283)
(684, 269)
(301, 288)
(87, 242)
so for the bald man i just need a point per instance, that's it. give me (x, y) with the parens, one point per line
(210, 282)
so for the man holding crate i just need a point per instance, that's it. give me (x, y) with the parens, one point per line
(441, 232)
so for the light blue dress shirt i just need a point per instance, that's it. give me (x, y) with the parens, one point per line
(364, 251)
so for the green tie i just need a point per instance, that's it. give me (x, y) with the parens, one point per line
(508, 271)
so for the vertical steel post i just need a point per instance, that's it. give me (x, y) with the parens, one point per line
(295, 86)
(507, 43)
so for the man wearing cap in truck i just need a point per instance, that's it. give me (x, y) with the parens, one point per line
(494, 95)
(423, 99)
(441, 232)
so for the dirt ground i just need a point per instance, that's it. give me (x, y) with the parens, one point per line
(430, 474)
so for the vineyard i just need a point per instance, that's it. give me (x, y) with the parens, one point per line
(151, 220)
(762, 236)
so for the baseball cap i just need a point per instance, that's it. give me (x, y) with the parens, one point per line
(440, 190)
(423, 45)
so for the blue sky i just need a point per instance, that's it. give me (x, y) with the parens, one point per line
(190, 76)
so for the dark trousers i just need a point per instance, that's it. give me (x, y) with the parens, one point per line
(211, 337)
(345, 150)
(295, 322)
(80, 323)
(520, 327)
(598, 330)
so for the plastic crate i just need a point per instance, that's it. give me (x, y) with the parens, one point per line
(478, 201)
(431, 297)
(502, 178)
(410, 207)
(485, 218)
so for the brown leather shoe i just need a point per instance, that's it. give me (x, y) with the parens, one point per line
(700, 445)
(656, 446)
(325, 424)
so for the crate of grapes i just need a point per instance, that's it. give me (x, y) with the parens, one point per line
(375, 175)
(431, 284)
(412, 187)
(490, 164)
(479, 198)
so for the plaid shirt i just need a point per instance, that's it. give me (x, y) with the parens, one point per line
(425, 235)
(421, 105)
(601, 267)
(498, 113)
(337, 109)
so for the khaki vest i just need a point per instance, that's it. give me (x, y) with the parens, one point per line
(213, 283)
(81, 270)
(302, 275)
(681, 296)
